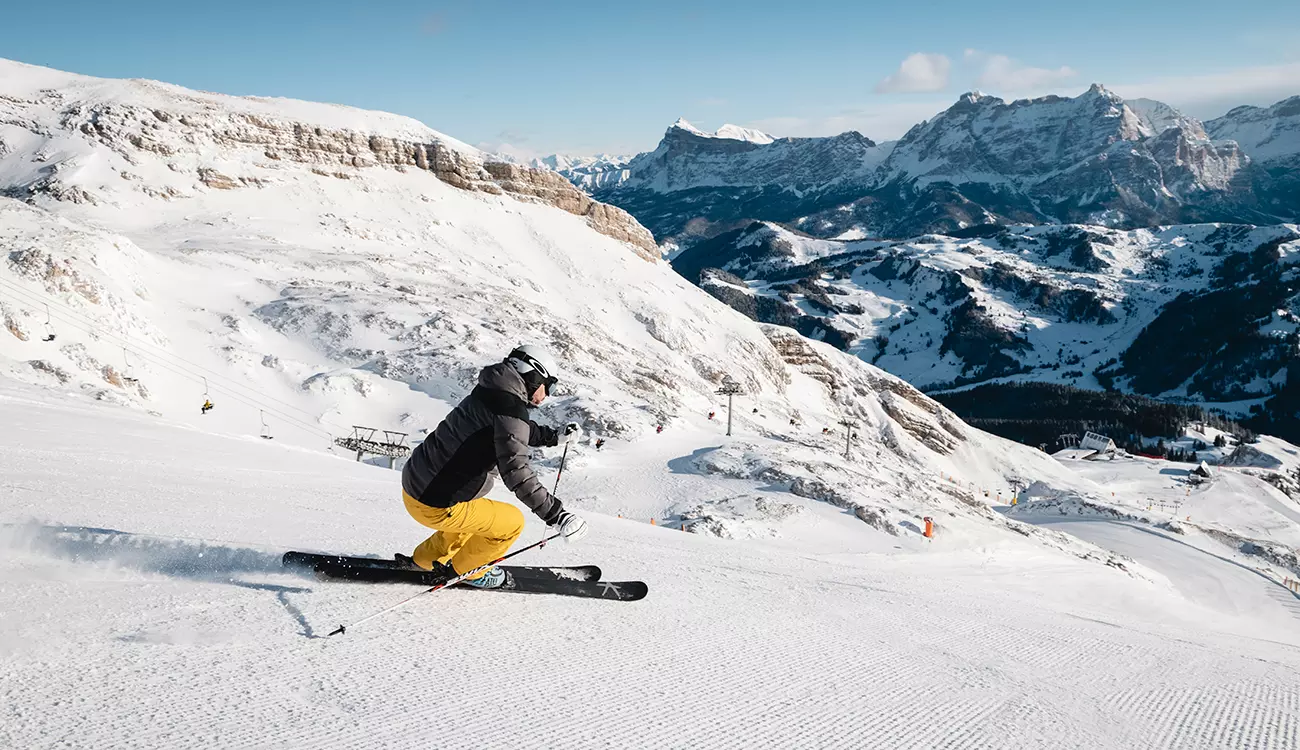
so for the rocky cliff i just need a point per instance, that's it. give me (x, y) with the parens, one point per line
(192, 131)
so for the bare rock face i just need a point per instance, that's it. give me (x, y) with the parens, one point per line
(54, 371)
(1270, 136)
(553, 189)
(134, 132)
(56, 274)
(11, 323)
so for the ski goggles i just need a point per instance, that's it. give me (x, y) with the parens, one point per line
(546, 378)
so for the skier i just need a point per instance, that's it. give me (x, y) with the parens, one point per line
(447, 476)
(207, 406)
(600, 443)
(659, 430)
(712, 414)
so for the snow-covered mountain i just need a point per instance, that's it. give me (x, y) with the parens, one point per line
(1091, 159)
(727, 132)
(695, 181)
(587, 172)
(1271, 136)
(1201, 313)
(308, 268)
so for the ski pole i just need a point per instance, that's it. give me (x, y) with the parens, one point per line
(558, 474)
(561, 472)
(443, 585)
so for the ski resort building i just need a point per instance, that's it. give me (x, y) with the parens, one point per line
(1099, 444)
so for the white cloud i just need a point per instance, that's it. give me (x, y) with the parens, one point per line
(1001, 74)
(920, 72)
(1212, 94)
(521, 154)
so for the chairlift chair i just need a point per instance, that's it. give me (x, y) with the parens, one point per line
(49, 326)
(126, 368)
(266, 429)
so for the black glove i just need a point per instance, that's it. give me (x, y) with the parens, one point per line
(546, 436)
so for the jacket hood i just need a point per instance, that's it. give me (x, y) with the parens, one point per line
(502, 377)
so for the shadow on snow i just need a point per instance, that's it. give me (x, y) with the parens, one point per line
(195, 560)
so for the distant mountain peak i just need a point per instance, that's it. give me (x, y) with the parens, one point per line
(726, 132)
(683, 124)
(977, 97)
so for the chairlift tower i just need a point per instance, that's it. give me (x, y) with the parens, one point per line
(849, 425)
(730, 389)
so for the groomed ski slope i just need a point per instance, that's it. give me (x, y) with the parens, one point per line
(144, 607)
(1200, 574)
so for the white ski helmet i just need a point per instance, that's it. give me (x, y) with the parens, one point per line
(537, 367)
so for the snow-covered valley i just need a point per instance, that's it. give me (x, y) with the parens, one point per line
(307, 268)
(1199, 313)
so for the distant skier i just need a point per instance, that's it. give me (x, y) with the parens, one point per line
(600, 443)
(712, 414)
(447, 476)
(659, 429)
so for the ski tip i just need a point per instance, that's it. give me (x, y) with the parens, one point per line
(341, 629)
(633, 591)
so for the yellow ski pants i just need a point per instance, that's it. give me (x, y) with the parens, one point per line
(470, 534)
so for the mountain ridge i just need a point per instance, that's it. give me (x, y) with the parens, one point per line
(1091, 159)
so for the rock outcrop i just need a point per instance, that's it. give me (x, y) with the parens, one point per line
(183, 129)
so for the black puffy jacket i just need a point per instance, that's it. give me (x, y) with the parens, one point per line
(489, 429)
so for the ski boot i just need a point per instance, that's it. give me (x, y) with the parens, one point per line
(406, 562)
(495, 578)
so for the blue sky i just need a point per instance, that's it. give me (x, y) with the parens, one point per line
(537, 76)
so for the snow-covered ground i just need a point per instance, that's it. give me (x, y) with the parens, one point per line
(144, 606)
(1231, 500)
(1229, 587)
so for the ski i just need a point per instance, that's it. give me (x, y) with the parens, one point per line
(312, 561)
(627, 591)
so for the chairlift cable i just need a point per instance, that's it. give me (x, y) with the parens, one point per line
(160, 352)
(180, 370)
